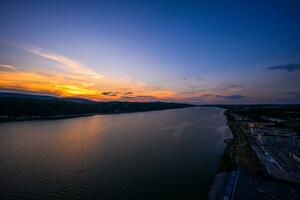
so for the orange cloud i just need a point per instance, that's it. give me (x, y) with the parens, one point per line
(74, 80)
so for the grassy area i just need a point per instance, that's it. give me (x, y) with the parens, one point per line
(226, 160)
(247, 160)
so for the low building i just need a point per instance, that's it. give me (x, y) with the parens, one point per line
(288, 141)
(267, 129)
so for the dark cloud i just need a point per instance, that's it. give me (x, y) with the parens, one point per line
(233, 86)
(234, 96)
(106, 93)
(111, 94)
(128, 93)
(288, 67)
(293, 93)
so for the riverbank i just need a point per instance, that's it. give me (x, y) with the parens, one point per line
(57, 117)
(35, 118)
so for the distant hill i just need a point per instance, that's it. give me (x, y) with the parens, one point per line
(25, 96)
(15, 106)
(42, 97)
(78, 100)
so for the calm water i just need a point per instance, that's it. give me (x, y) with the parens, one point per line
(169, 154)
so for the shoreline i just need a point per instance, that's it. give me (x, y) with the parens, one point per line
(58, 117)
(223, 167)
(37, 118)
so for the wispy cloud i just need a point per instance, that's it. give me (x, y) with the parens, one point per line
(287, 67)
(69, 64)
(6, 66)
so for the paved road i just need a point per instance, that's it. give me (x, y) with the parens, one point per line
(272, 166)
(251, 187)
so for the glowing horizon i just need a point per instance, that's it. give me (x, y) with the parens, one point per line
(74, 79)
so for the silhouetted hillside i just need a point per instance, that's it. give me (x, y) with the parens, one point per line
(14, 108)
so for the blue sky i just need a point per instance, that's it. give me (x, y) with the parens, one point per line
(194, 51)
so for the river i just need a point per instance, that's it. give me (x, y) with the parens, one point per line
(169, 154)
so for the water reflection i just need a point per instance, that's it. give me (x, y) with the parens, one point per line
(79, 138)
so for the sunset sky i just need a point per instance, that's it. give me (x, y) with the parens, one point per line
(181, 51)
